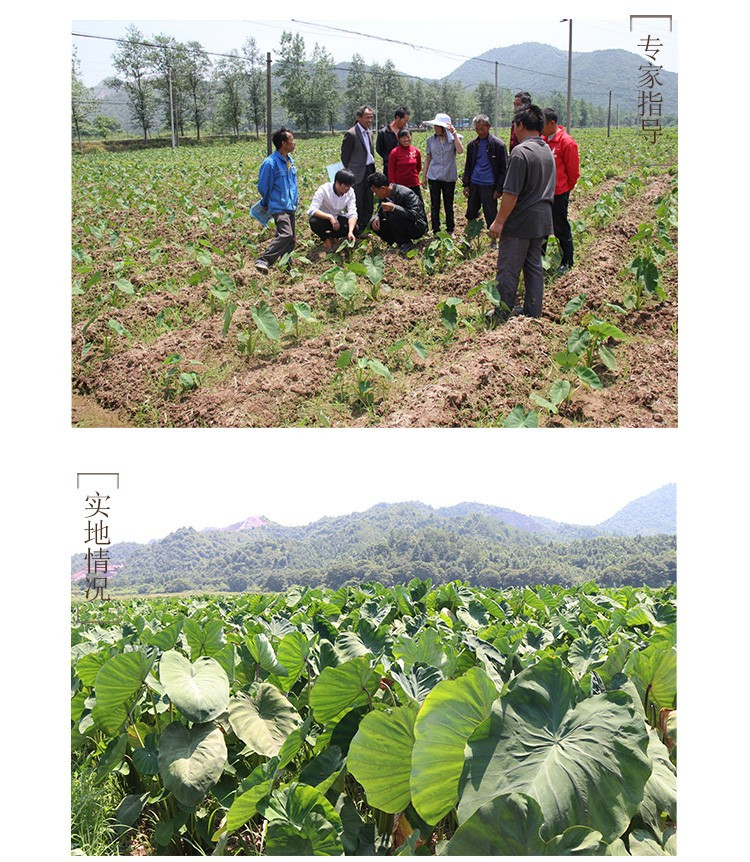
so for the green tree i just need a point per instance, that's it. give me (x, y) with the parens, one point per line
(297, 95)
(484, 96)
(356, 88)
(256, 84)
(132, 60)
(390, 93)
(194, 71)
(325, 86)
(229, 74)
(166, 57)
(104, 126)
(81, 100)
(416, 101)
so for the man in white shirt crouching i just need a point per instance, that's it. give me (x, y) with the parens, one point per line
(333, 211)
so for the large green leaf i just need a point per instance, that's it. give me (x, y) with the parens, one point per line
(266, 321)
(200, 690)
(245, 805)
(449, 715)
(660, 794)
(584, 762)
(301, 821)
(340, 688)
(654, 671)
(204, 640)
(116, 683)
(380, 757)
(263, 719)
(292, 655)
(510, 825)
(191, 760)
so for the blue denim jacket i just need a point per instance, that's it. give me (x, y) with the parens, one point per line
(277, 183)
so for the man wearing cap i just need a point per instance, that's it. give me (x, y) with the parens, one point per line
(568, 169)
(525, 217)
(484, 171)
(388, 135)
(440, 170)
(357, 156)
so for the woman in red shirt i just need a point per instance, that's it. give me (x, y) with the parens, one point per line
(405, 164)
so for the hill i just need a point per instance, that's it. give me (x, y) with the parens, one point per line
(543, 70)
(392, 543)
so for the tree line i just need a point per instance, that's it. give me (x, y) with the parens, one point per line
(169, 84)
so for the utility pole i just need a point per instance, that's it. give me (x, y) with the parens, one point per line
(570, 61)
(171, 106)
(609, 112)
(269, 119)
(497, 98)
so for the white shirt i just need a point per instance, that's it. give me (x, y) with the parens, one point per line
(327, 201)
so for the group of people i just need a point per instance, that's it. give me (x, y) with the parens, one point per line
(522, 191)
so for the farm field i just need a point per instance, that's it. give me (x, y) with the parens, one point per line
(173, 326)
(410, 720)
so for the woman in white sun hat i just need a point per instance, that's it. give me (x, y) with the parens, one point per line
(440, 169)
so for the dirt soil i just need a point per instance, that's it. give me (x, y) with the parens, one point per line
(475, 378)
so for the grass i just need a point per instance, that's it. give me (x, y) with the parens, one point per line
(91, 806)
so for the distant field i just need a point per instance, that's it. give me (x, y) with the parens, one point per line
(171, 326)
(410, 720)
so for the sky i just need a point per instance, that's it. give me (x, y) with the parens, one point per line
(430, 54)
(215, 477)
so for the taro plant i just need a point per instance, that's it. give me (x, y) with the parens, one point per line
(488, 293)
(176, 380)
(448, 309)
(400, 352)
(587, 348)
(438, 253)
(520, 418)
(296, 311)
(265, 324)
(365, 371)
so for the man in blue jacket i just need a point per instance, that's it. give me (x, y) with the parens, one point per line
(277, 184)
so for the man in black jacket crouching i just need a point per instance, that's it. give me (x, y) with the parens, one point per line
(401, 217)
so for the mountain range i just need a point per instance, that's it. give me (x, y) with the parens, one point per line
(393, 542)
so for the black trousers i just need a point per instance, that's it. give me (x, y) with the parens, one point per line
(322, 227)
(447, 190)
(397, 228)
(561, 228)
(484, 197)
(363, 197)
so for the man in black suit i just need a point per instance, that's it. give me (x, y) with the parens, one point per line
(358, 156)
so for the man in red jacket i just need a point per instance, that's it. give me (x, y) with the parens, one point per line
(567, 166)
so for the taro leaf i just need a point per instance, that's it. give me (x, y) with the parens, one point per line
(245, 806)
(578, 340)
(146, 761)
(474, 616)
(166, 638)
(266, 321)
(163, 833)
(200, 690)
(341, 688)
(205, 640)
(323, 768)
(344, 731)
(191, 760)
(263, 719)
(589, 377)
(559, 391)
(228, 313)
(507, 825)
(373, 638)
(345, 283)
(377, 366)
(573, 305)
(113, 756)
(129, 809)
(660, 794)
(292, 655)
(419, 682)
(519, 418)
(566, 360)
(654, 672)
(584, 762)
(642, 843)
(116, 683)
(117, 327)
(88, 666)
(601, 330)
(349, 645)
(374, 269)
(301, 821)
(264, 654)
(125, 286)
(419, 349)
(449, 715)
(303, 310)
(427, 649)
(585, 654)
(380, 757)
(576, 841)
(608, 358)
(542, 402)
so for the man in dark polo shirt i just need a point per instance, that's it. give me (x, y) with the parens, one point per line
(525, 217)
